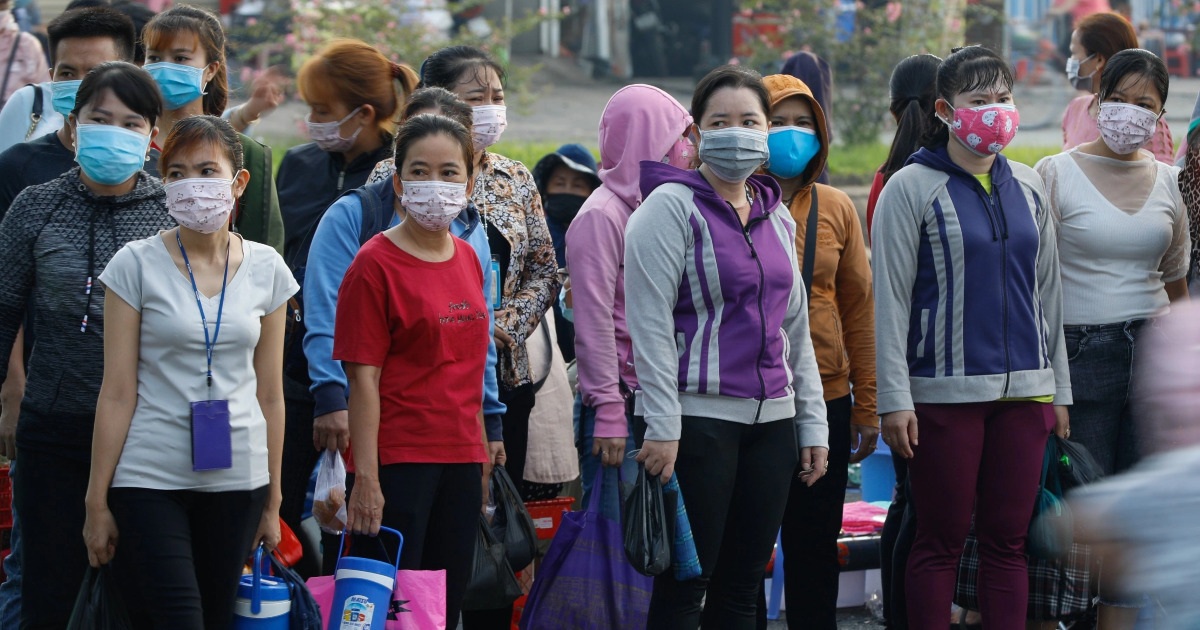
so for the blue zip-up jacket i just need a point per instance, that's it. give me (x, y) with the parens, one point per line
(717, 310)
(968, 304)
(336, 242)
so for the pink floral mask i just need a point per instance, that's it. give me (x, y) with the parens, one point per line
(987, 129)
(680, 154)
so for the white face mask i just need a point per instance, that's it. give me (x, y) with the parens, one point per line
(1125, 127)
(202, 205)
(433, 205)
(328, 135)
(489, 122)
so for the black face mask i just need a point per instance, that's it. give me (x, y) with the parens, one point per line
(563, 207)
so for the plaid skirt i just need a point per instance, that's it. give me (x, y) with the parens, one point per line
(1059, 590)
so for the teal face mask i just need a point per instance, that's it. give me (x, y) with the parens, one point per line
(64, 96)
(179, 84)
(792, 148)
(109, 155)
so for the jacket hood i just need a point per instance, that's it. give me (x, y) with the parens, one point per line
(939, 159)
(640, 122)
(655, 174)
(782, 87)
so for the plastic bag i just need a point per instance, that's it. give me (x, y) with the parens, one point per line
(329, 498)
(647, 545)
(98, 605)
(493, 584)
(1051, 531)
(1076, 466)
(512, 524)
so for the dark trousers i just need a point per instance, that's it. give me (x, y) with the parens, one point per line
(986, 458)
(299, 459)
(49, 492)
(811, 526)
(895, 542)
(516, 443)
(436, 508)
(734, 479)
(181, 553)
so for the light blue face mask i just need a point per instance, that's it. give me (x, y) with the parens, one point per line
(792, 148)
(64, 96)
(568, 313)
(109, 155)
(179, 84)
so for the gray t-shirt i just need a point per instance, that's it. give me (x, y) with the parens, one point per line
(171, 365)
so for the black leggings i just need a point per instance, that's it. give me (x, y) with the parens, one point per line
(436, 508)
(895, 543)
(181, 553)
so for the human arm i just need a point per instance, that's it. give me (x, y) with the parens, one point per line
(267, 94)
(114, 414)
(856, 308)
(11, 394)
(1177, 290)
(537, 286)
(1050, 293)
(268, 370)
(1177, 260)
(493, 409)
(365, 508)
(18, 235)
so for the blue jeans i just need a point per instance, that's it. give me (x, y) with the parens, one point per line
(585, 425)
(10, 590)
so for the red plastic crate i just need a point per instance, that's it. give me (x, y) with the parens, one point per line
(547, 515)
(6, 497)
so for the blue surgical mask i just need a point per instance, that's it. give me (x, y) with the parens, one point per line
(110, 155)
(568, 313)
(179, 84)
(64, 96)
(792, 148)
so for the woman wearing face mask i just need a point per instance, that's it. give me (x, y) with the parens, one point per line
(841, 318)
(59, 236)
(730, 390)
(639, 123)
(412, 333)
(185, 53)
(969, 344)
(1093, 43)
(1123, 240)
(194, 353)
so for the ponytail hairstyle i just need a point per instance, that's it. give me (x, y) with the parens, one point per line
(207, 28)
(912, 107)
(440, 101)
(448, 67)
(967, 69)
(354, 73)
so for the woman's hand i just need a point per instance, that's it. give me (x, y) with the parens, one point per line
(364, 511)
(814, 463)
(900, 432)
(268, 534)
(610, 450)
(100, 535)
(1062, 421)
(862, 442)
(659, 458)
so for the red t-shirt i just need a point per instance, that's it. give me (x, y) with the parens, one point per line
(425, 325)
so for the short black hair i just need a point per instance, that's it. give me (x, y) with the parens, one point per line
(442, 100)
(129, 83)
(425, 125)
(141, 15)
(203, 129)
(1134, 61)
(83, 4)
(93, 22)
(729, 76)
(447, 67)
(967, 69)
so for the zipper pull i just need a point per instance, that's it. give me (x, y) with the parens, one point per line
(749, 243)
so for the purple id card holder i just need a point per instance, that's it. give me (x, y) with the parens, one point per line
(212, 439)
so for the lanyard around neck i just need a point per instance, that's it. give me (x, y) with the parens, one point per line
(208, 345)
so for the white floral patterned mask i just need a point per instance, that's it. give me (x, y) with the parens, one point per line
(1125, 127)
(200, 204)
(433, 205)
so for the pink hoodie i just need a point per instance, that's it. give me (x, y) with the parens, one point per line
(639, 123)
(27, 65)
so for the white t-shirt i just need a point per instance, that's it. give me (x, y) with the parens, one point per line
(171, 365)
(14, 118)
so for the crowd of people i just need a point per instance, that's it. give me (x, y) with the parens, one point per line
(187, 331)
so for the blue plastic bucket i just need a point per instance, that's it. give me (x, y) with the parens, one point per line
(362, 591)
(263, 603)
(878, 475)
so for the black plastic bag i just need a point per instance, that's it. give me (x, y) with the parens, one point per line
(1051, 531)
(493, 584)
(1076, 466)
(644, 522)
(98, 605)
(512, 524)
(305, 615)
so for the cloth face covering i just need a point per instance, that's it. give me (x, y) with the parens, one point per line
(488, 124)
(1125, 127)
(178, 83)
(109, 155)
(792, 148)
(201, 204)
(1078, 82)
(328, 135)
(63, 94)
(733, 153)
(987, 129)
(433, 205)
(681, 153)
(563, 207)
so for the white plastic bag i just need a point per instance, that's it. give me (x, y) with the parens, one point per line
(329, 498)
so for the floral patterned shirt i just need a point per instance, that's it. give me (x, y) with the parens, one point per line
(508, 200)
